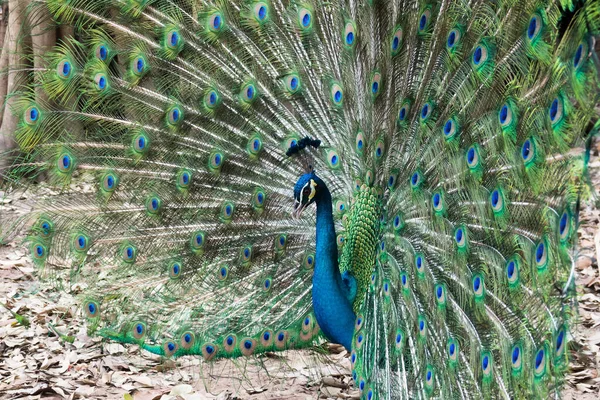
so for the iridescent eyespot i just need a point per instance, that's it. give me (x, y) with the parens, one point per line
(138, 65)
(307, 323)
(129, 253)
(254, 146)
(422, 326)
(375, 83)
(174, 115)
(452, 348)
(140, 143)
(540, 363)
(31, 115)
(429, 379)
(198, 240)
(153, 204)
(173, 39)
(309, 260)
(392, 180)
(208, 351)
(65, 163)
(169, 348)
(564, 226)
(420, 264)
(216, 161)
(369, 177)
(450, 129)
(91, 309)
(100, 81)
(175, 269)
(379, 149)
(404, 281)
(246, 254)
(258, 199)
(289, 142)
(512, 272)
(386, 284)
(437, 202)
(396, 42)
(101, 52)
(261, 12)
(212, 99)
(281, 339)
(424, 21)
(541, 254)
(362, 384)
(497, 201)
(505, 115)
(339, 206)
(398, 222)
(281, 242)
(403, 113)
(188, 339)
(349, 34)
(580, 55)
(81, 243)
(64, 69)
(215, 22)
(516, 358)
(480, 55)
(292, 83)
(139, 330)
(267, 284)
(38, 251)
(359, 340)
(45, 227)
(266, 339)
(528, 151)
(453, 39)
(305, 19)
(478, 286)
(399, 340)
(337, 94)
(415, 179)
(223, 272)
(486, 363)
(461, 238)
(184, 179)
(559, 343)
(360, 142)
(341, 239)
(472, 157)
(426, 111)
(109, 182)
(248, 93)
(534, 27)
(555, 111)
(440, 294)
(333, 159)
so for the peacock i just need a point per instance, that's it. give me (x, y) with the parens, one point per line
(399, 177)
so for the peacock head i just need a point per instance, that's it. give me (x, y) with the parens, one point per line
(306, 192)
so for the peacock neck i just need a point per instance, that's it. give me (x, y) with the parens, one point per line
(332, 308)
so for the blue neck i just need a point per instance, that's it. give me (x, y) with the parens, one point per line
(332, 308)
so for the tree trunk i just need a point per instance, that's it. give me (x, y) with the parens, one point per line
(15, 75)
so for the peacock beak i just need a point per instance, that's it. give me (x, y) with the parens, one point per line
(298, 209)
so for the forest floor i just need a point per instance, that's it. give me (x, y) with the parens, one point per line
(36, 364)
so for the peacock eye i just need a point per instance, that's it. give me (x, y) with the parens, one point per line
(306, 191)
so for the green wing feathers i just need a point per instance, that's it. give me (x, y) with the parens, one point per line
(461, 123)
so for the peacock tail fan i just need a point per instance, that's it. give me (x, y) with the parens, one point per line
(451, 145)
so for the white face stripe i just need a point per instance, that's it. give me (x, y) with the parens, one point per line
(302, 191)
